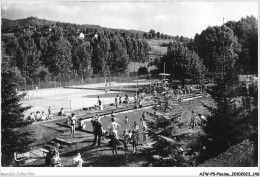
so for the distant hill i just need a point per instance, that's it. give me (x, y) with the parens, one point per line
(35, 22)
(30, 21)
(12, 25)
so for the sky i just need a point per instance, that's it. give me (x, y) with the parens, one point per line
(181, 18)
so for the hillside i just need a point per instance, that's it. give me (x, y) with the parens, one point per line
(12, 25)
(30, 21)
(157, 50)
(156, 46)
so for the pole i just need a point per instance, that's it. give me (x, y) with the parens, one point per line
(60, 86)
(150, 85)
(136, 83)
(25, 83)
(82, 90)
(120, 82)
(223, 52)
(164, 69)
(69, 79)
(39, 83)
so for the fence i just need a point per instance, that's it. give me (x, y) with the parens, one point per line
(59, 82)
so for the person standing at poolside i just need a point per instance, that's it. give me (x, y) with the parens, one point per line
(73, 122)
(126, 100)
(97, 126)
(136, 130)
(49, 110)
(145, 135)
(116, 101)
(193, 119)
(113, 127)
(134, 138)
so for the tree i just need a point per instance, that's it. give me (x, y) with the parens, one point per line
(158, 35)
(143, 71)
(162, 132)
(129, 48)
(210, 44)
(119, 59)
(81, 58)
(143, 51)
(11, 45)
(134, 50)
(162, 36)
(12, 119)
(27, 56)
(101, 56)
(145, 35)
(246, 31)
(182, 63)
(153, 33)
(57, 56)
(226, 123)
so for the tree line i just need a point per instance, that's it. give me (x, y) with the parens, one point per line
(152, 34)
(59, 53)
(233, 44)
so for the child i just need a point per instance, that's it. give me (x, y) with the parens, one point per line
(44, 117)
(193, 119)
(113, 114)
(126, 100)
(32, 116)
(49, 110)
(126, 119)
(145, 134)
(136, 130)
(114, 144)
(55, 160)
(61, 113)
(116, 101)
(120, 100)
(78, 160)
(126, 139)
(130, 135)
(134, 141)
(135, 98)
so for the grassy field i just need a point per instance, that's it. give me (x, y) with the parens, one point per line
(156, 49)
(155, 46)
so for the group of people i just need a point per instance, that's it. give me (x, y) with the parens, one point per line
(138, 101)
(197, 120)
(72, 122)
(40, 116)
(139, 98)
(118, 101)
(128, 135)
(52, 158)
